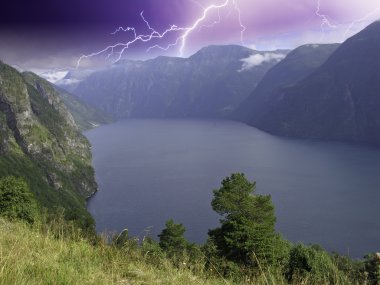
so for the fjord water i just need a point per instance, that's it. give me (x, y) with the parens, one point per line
(152, 170)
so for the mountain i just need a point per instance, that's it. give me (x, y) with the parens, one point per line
(211, 83)
(40, 141)
(72, 78)
(338, 101)
(297, 65)
(86, 117)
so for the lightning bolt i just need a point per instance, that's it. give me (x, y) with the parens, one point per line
(325, 20)
(218, 21)
(195, 25)
(187, 31)
(366, 17)
(137, 38)
(243, 28)
(206, 11)
(118, 49)
(214, 23)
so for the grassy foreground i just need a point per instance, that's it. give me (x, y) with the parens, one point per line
(41, 247)
(52, 254)
(35, 256)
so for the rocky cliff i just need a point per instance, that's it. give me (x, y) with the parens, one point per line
(40, 141)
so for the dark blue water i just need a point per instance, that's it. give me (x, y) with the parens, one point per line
(152, 170)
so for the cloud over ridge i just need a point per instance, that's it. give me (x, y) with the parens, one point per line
(258, 59)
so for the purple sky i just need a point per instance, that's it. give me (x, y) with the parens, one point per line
(42, 34)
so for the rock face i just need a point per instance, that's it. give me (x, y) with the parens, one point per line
(340, 100)
(211, 83)
(40, 141)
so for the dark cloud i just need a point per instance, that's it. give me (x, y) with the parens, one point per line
(86, 12)
(53, 33)
(39, 32)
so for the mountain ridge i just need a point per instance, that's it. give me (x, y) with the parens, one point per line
(210, 83)
(297, 65)
(338, 101)
(40, 141)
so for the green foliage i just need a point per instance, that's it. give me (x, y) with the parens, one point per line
(314, 264)
(12, 83)
(219, 264)
(41, 144)
(121, 239)
(353, 269)
(20, 165)
(152, 248)
(46, 113)
(16, 201)
(172, 240)
(247, 231)
(372, 267)
(281, 251)
(57, 251)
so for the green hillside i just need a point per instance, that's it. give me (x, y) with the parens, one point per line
(40, 141)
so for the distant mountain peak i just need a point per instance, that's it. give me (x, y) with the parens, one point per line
(340, 100)
(207, 84)
(371, 32)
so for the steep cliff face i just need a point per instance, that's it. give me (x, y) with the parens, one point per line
(40, 141)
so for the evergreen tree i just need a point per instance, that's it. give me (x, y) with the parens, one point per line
(172, 240)
(247, 233)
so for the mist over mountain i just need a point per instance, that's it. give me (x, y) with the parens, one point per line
(340, 100)
(297, 65)
(73, 78)
(211, 83)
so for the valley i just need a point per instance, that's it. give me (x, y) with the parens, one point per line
(201, 168)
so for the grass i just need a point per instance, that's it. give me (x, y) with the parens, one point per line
(58, 253)
(38, 256)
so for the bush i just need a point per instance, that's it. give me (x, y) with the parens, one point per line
(353, 269)
(313, 264)
(16, 201)
(172, 240)
(372, 267)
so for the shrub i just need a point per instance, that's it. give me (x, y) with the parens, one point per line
(172, 240)
(372, 267)
(312, 264)
(16, 201)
